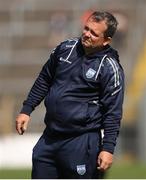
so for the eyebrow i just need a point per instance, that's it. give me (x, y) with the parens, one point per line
(93, 32)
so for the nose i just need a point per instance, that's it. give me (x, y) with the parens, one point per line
(87, 33)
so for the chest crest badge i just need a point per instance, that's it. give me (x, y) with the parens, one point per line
(90, 73)
(81, 169)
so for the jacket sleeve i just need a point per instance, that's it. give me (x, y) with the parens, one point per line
(112, 94)
(41, 85)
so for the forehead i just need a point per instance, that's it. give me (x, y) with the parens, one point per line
(100, 26)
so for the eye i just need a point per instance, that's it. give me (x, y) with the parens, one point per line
(94, 34)
(86, 28)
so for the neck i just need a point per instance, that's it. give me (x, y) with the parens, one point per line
(92, 50)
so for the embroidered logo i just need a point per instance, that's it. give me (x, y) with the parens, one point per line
(81, 169)
(90, 73)
(65, 60)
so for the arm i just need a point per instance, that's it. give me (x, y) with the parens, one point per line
(37, 93)
(40, 88)
(112, 93)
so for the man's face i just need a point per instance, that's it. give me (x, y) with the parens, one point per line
(93, 34)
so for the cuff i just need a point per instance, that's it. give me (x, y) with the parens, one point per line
(27, 110)
(109, 147)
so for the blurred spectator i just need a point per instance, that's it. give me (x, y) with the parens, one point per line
(57, 28)
(119, 39)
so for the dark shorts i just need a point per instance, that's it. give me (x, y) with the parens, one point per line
(71, 158)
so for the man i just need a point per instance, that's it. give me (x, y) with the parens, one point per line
(83, 86)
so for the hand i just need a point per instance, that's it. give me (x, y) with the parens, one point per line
(104, 160)
(22, 123)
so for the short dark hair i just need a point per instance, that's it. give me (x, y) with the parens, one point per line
(109, 19)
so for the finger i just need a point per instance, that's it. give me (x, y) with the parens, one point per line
(22, 131)
(19, 128)
(99, 161)
(102, 166)
(108, 166)
(98, 167)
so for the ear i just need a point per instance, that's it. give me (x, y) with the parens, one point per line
(107, 41)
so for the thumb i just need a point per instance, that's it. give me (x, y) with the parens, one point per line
(25, 126)
(99, 160)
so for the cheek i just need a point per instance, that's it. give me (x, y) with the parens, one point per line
(97, 42)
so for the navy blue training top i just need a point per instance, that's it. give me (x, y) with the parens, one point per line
(83, 93)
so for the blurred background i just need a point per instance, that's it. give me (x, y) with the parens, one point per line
(29, 30)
